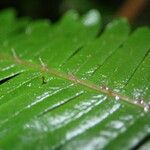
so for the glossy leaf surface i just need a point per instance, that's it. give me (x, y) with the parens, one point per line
(70, 85)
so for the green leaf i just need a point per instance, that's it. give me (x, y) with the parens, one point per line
(72, 85)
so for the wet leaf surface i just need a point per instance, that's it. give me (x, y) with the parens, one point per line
(64, 87)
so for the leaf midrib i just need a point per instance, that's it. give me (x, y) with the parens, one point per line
(49, 70)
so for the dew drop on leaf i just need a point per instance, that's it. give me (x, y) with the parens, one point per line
(117, 97)
(146, 108)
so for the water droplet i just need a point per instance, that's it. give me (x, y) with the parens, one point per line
(117, 97)
(138, 101)
(107, 88)
(104, 87)
(141, 101)
(146, 108)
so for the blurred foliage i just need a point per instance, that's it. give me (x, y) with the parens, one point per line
(54, 9)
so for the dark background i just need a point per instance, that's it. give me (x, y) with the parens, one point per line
(54, 9)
